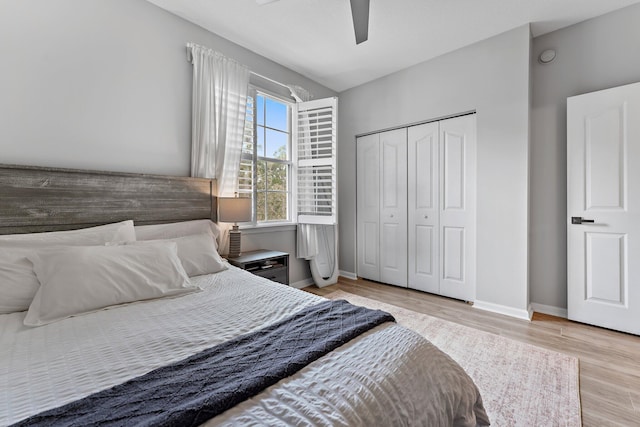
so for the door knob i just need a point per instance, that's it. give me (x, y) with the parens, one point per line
(580, 220)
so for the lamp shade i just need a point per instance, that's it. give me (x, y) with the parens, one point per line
(234, 209)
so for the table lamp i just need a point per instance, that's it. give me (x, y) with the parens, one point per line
(234, 209)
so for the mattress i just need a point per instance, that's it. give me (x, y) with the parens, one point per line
(387, 376)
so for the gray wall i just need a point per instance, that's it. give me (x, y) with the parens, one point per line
(491, 77)
(597, 54)
(105, 85)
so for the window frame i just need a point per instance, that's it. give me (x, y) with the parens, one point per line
(254, 92)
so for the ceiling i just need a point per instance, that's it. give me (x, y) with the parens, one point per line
(316, 39)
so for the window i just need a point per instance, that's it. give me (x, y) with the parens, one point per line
(266, 166)
(286, 143)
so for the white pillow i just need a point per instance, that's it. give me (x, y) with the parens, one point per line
(84, 279)
(18, 282)
(177, 229)
(197, 253)
(117, 232)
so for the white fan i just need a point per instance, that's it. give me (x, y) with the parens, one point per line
(359, 13)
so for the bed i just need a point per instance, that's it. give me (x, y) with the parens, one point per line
(387, 375)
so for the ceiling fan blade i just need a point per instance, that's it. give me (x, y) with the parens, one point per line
(360, 14)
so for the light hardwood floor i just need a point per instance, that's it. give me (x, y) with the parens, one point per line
(609, 361)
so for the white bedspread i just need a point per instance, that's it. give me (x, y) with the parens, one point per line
(380, 378)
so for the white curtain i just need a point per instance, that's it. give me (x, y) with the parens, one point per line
(220, 87)
(307, 241)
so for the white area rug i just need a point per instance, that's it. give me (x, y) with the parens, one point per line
(521, 384)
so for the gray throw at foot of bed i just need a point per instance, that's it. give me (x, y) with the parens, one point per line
(206, 384)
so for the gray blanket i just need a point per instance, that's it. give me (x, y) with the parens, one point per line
(206, 384)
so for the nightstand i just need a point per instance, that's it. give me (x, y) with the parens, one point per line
(272, 265)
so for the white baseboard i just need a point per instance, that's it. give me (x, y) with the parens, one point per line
(302, 283)
(348, 275)
(549, 309)
(504, 309)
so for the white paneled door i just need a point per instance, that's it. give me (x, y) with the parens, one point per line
(424, 207)
(458, 207)
(442, 199)
(416, 197)
(603, 208)
(382, 207)
(393, 211)
(368, 206)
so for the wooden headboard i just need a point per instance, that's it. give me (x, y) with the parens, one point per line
(36, 199)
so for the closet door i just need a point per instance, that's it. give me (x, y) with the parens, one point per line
(368, 206)
(393, 210)
(457, 207)
(423, 207)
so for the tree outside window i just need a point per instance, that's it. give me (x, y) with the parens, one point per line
(265, 172)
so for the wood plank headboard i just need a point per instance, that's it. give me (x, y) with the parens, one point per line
(36, 199)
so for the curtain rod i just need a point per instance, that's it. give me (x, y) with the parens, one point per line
(270, 79)
(297, 92)
(190, 58)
